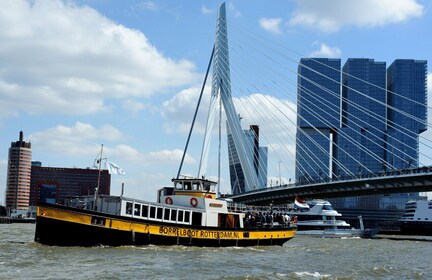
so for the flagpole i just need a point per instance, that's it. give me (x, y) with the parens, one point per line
(98, 181)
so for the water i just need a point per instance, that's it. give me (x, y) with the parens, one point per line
(301, 258)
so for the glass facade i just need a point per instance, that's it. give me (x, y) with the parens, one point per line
(318, 93)
(255, 154)
(378, 129)
(318, 114)
(312, 154)
(406, 82)
(360, 141)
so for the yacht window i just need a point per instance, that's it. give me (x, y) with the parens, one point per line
(129, 208)
(137, 209)
(180, 216)
(186, 217)
(187, 186)
(196, 186)
(206, 186)
(327, 207)
(159, 213)
(144, 212)
(152, 212)
(173, 215)
(166, 214)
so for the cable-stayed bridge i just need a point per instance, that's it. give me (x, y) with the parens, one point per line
(333, 131)
(398, 181)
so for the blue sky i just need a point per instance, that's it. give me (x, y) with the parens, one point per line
(126, 74)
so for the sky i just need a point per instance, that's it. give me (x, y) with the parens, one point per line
(77, 74)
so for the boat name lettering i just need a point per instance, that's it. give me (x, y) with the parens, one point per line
(197, 233)
(215, 205)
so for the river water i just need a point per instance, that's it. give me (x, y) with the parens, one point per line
(300, 258)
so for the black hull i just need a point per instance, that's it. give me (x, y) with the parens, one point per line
(416, 228)
(57, 232)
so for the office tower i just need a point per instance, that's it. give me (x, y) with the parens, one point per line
(18, 175)
(406, 85)
(54, 184)
(359, 143)
(382, 114)
(318, 115)
(256, 155)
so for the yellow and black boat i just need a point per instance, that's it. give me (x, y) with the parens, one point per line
(187, 214)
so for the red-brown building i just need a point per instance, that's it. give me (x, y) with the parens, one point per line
(18, 175)
(54, 184)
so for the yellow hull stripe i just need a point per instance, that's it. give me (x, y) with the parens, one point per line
(162, 230)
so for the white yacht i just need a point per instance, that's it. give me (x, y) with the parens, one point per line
(318, 218)
(417, 219)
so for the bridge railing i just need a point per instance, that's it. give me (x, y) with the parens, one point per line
(314, 181)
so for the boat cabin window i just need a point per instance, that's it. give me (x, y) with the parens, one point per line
(193, 185)
(196, 186)
(196, 218)
(159, 213)
(129, 208)
(187, 217)
(207, 186)
(137, 209)
(173, 215)
(167, 214)
(152, 212)
(180, 216)
(144, 212)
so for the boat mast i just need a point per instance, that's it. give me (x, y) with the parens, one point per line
(195, 115)
(98, 181)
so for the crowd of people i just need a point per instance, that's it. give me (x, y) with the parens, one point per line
(259, 219)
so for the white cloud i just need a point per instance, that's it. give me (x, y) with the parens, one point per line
(148, 5)
(179, 110)
(133, 106)
(332, 15)
(326, 51)
(206, 10)
(271, 24)
(82, 140)
(74, 140)
(57, 57)
(170, 156)
(234, 10)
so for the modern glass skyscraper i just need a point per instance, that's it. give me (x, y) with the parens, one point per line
(18, 175)
(382, 114)
(360, 140)
(256, 155)
(318, 115)
(406, 84)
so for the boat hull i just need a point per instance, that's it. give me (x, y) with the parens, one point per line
(64, 226)
(416, 228)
